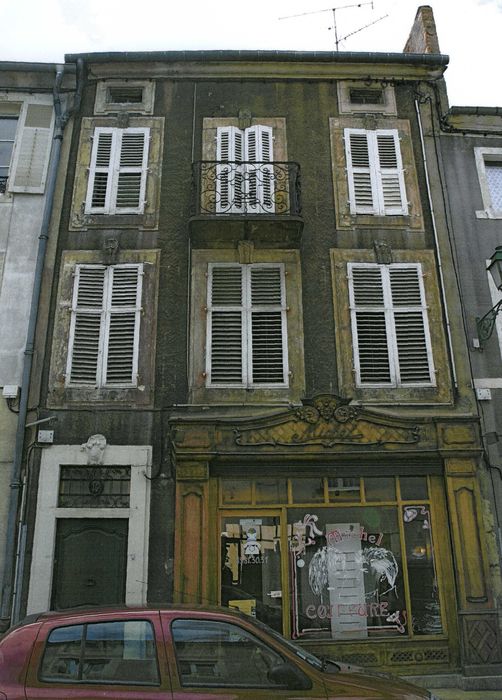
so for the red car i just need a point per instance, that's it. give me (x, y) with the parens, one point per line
(173, 654)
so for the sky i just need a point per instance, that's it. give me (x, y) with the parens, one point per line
(469, 31)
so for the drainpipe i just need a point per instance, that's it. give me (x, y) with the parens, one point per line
(436, 241)
(16, 486)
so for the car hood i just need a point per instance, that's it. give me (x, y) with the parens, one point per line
(380, 685)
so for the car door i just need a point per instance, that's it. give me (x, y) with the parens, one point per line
(120, 657)
(218, 658)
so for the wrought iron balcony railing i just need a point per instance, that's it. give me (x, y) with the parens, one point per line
(246, 188)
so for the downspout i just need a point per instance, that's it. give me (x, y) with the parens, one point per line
(436, 241)
(16, 486)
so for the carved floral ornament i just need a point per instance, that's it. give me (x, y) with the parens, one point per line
(328, 421)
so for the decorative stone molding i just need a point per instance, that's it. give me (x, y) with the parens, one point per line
(328, 421)
(95, 448)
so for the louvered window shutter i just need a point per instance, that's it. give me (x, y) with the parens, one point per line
(118, 171)
(99, 191)
(229, 175)
(392, 193)
(260, 178)
(85, 347)
(32, 149)
(390, 326)
(104, 331)
(375, 172)
(131, 171)
(267, 333)
(359, 172)
(247, 331)
(225, 340)
(369, 325)
(412, 339)
(122, 325)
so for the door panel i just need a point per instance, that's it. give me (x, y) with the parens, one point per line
(90, 563)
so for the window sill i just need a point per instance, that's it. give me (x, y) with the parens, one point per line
(64, 396)
(489, 214)
(105, 221)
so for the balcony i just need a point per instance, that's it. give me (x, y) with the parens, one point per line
(257, 201)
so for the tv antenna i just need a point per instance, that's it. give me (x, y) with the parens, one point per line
(334, 10)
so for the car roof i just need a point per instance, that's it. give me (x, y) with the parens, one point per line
(86, 611)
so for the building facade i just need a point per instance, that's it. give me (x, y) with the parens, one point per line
(27, 126)
(255, 354)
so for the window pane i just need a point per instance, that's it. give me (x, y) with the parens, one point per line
(8, 126)
(236, 491)
(122, 652)
(344, 489)
(220, 654)
(425, 607)
(61, 660)
(346, 573)
(271, 491)
(308, 490)
(413, 488)
(494, 177)
(380, 488)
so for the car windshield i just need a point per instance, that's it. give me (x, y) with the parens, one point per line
(315, 661)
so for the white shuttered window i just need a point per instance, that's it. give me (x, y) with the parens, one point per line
(375, 172)
(245, 188)
(390, 327)
(246, 326)
(118, 170)
(104, 331)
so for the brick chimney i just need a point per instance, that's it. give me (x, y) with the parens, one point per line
(423, 36)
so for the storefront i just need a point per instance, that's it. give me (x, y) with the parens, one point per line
(346, 550)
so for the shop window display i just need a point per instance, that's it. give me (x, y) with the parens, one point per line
(359, 561)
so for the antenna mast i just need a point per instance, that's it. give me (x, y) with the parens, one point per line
(334, 10)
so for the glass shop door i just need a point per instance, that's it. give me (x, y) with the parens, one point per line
(251, 572)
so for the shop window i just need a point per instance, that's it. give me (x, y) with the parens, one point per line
(359, 568)
(489, 166)
(106, 652)
(246, 326)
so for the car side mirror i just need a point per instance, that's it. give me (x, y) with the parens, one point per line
(289, 677)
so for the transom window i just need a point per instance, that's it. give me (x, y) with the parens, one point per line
(390, 329)
(246, 326)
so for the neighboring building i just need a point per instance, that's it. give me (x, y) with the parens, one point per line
(256, 357)
(27, 120)
(471, 152)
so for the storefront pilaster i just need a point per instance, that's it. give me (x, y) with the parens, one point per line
(481, 646)
(192, 535)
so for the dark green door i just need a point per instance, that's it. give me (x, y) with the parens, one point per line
(90, 562)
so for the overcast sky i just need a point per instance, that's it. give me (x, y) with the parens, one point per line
(469, 31)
